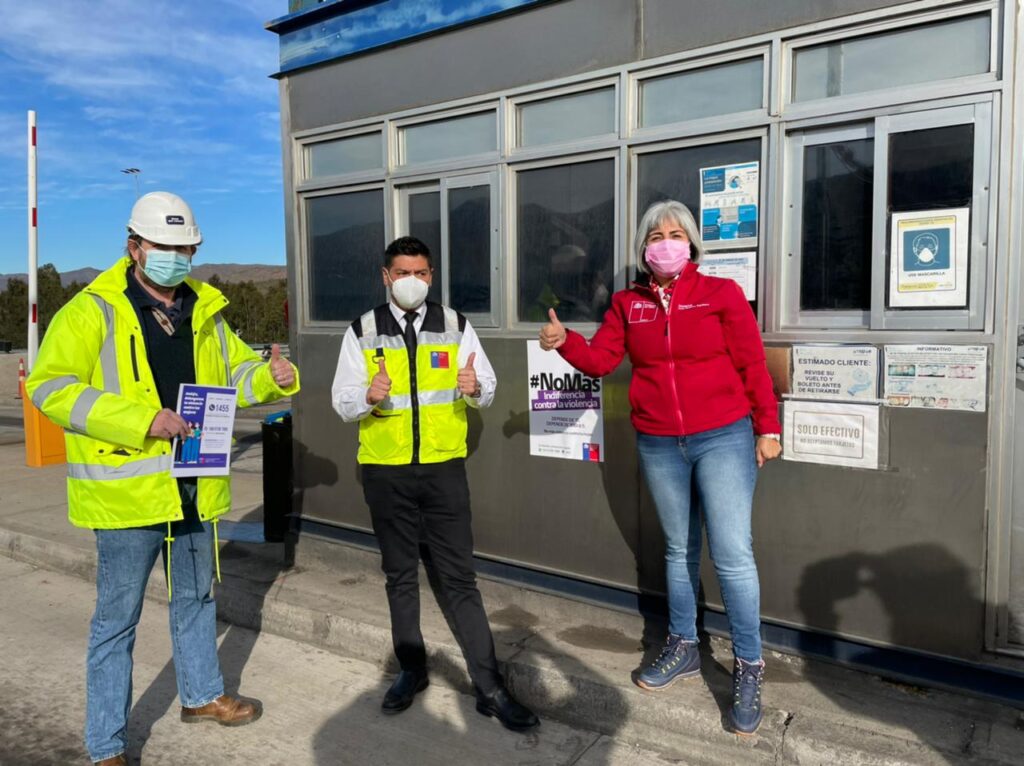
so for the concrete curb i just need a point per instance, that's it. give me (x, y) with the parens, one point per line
(547, 682)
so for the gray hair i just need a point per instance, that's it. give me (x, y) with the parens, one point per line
(655, 216)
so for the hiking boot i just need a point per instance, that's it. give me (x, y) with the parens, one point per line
(747, 680)
(679, 659)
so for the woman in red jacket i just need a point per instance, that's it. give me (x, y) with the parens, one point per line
(700, 392)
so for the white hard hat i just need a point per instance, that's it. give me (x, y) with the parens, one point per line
(164, 219)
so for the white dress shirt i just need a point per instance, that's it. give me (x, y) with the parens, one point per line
(348, 393)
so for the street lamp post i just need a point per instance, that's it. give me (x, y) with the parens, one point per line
(134, 172)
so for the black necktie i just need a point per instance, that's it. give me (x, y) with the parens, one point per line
(410, 330)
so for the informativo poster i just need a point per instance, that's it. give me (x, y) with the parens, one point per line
(729, 202)
(936, 377)
(210, 413)
(566, 412)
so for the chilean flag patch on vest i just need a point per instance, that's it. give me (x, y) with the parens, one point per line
(439, 360)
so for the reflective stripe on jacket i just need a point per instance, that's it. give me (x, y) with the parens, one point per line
(423, 420)
(92, 378)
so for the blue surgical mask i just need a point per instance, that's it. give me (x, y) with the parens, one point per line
(167, 268)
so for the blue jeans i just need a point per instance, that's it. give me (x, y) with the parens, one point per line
(125, 558)
(721, 467)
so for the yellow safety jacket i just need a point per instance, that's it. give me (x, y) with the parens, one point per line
(423, 419)
(92, 378)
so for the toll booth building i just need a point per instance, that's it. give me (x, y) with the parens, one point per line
(856, 165)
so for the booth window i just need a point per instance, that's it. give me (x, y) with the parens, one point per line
(835, 264)
(439, 140)
(942, 50)
(345, 246)
(700, 93)
(341, 156)
(926, 173)
(573, 117)
(565, 237)
(422, 213)
(456, 217)
(676, 173)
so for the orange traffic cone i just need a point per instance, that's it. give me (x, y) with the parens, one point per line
(21, 378)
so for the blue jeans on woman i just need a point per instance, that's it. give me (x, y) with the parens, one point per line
(720, 466)
(125, 558)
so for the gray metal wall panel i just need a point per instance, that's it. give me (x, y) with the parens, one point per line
(885, 556)
(1015, 606)
(895, 556)
(540, 44)
(669, 28)
(560, 515)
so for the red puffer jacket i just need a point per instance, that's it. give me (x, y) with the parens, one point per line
(702, 368)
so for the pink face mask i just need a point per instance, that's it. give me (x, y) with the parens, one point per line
(667, 257)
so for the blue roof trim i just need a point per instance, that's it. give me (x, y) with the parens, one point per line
(342, 28)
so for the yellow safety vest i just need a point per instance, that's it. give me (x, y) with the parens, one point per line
(423, 419)
(92, 378)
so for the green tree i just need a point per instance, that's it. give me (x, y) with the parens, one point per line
(14, 312)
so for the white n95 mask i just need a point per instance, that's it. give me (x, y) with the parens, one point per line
(409, 292)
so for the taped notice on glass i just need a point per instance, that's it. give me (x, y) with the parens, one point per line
(729, 197)
(566, 410)
(928, 258)
(739, 267)
(830, 433)
(835, 372)
(936, 377)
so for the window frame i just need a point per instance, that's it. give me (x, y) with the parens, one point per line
(303, 158)
(765, 212)
(511, 294)
(304, 287)
(916, 94)
(517, 152)
(703, 125)
(398, 169)
(441, 185)
(981, 110)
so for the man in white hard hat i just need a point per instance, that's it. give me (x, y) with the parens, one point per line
(108, 371)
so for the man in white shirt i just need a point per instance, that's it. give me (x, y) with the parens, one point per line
(406, 372)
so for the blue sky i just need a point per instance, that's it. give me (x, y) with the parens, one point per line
(177, 88)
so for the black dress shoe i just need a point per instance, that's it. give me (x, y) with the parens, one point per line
(500, 704)
(406, 686)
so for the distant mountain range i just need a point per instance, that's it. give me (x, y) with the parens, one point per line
(228, 272)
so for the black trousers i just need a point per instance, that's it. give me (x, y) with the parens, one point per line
(430, 503)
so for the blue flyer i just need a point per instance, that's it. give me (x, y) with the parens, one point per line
(729, 202)
(210, 413)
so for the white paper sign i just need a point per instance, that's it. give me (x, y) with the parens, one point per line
(566, 410)
(741, 267)
(928, 258)
(830, 433)
(210, 413)
(835, 372)
(729, 202)
(936, 377)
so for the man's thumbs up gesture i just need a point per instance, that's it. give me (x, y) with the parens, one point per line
(281, 369)
(468, 384)
(380, 386)
(552, 335)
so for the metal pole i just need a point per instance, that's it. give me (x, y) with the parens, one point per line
(33, 245)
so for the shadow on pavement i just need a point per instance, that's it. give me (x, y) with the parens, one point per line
(893, 579)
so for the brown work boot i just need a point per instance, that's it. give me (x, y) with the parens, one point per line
(225, 710)
(117, 760)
